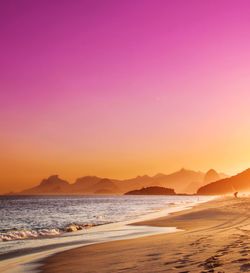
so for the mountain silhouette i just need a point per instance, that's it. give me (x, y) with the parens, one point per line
(182, 181)
(236, 183)
(105, 185)
(51, 185)
(211, 176)
(85, 184)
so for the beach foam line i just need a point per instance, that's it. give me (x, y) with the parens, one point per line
(22, 234)
(27, 234)
(30, 261)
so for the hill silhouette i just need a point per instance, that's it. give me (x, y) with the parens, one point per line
(182, 181)
(52, 185)
(152, 191)
(84, 184)
(239, 182)
(211, 176)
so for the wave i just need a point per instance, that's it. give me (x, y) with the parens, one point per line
(23, 234)
(27, 234)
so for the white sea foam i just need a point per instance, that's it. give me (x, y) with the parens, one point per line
(23, 234)
(28, 234)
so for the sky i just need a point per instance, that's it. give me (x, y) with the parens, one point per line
(122, 88)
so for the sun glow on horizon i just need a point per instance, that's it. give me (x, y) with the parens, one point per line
(85, 91)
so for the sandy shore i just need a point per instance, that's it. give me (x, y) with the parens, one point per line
(215, 239)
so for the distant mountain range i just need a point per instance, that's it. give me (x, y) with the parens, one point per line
(236, 183)
(182, 181)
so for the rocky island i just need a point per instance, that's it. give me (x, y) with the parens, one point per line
(152, 191)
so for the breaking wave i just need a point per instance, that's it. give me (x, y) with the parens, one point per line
(23, 234)
(27, 234)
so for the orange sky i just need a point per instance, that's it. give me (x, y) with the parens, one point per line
(27, 163)
(119, 90)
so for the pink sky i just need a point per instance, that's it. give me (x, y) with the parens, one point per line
(120, 88)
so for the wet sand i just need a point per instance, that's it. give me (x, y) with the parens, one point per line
(215, 238)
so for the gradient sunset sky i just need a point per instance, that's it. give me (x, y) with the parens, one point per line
(122, 88)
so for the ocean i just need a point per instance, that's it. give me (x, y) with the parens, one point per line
(28, 222)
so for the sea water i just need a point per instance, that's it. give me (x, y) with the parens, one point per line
(33, 221)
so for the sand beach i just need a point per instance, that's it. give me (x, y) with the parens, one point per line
(215, 238)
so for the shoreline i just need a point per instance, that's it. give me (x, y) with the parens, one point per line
(126, 230)
(214, 238)
(56, 231)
